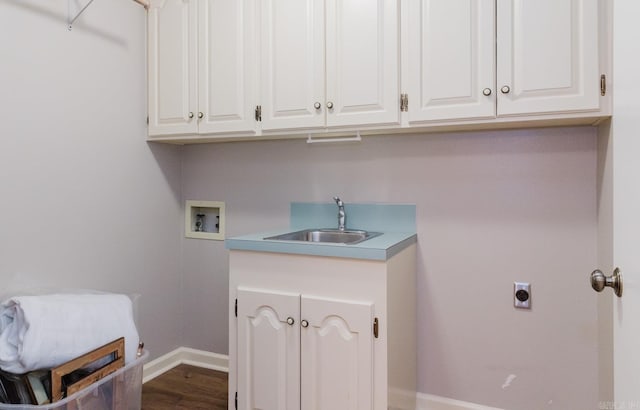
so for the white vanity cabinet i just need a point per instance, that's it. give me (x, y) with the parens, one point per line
(328, 63)
(284, 339)
(481, 59)
(200, 59)
(325, 333)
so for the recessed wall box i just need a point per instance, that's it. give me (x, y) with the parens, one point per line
(204, 220)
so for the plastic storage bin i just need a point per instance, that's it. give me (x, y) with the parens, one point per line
(121, 390)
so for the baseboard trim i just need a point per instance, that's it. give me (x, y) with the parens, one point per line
(184, 355)
(220, 362)
(432, 402)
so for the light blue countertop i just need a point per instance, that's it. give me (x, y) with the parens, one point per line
(395, 222)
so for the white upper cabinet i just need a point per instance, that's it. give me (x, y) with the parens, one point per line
(172, 53)
(222, 69)
(226, 59)
(201, 53)
(329, 63)
(480, 59)
(547, 56)
(362, 62)
(292, 64)
(451, 59)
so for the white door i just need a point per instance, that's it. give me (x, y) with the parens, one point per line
(172, 56)
(362, 62)
(451, 48)
(337, 354)
(621, 187)
(226, 60)
(547, 56)
(268, 369)
(292, 64)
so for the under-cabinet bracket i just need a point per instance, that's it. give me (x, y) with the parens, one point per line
(603, 85)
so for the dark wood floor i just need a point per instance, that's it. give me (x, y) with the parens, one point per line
(186, 388)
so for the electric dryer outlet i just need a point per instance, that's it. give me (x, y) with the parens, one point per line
(522, 295)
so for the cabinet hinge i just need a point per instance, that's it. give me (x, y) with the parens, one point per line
(603, 85)
(236, 309)
(375, 327)
(236, 400)
(258, 113)
(404, 102)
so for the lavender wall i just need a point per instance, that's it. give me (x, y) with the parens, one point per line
(85, 201)
(492, 208)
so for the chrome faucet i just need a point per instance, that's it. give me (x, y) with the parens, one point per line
(342, 216)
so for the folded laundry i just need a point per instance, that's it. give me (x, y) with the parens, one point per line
(45, 331)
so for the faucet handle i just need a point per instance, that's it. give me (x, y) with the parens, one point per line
(338, 200)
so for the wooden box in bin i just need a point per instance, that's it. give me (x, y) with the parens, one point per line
(112, 386)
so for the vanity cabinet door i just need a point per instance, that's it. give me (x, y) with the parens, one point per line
(268, 371)
(337, 354)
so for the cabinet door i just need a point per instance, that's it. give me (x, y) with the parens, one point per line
(362, 62)
(337, 355)
(268, 373)
(172, 67)
(451, 59)
(292, 64)
(547, 56)
(226, 55)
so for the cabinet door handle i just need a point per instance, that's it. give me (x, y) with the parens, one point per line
(290, 321)
(317, 105)
(505, 89)
(190, 114)
(486, 92)
(200, 115)
(329, 105)
(304, 323)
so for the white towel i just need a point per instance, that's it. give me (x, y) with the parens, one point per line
(41, 332)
